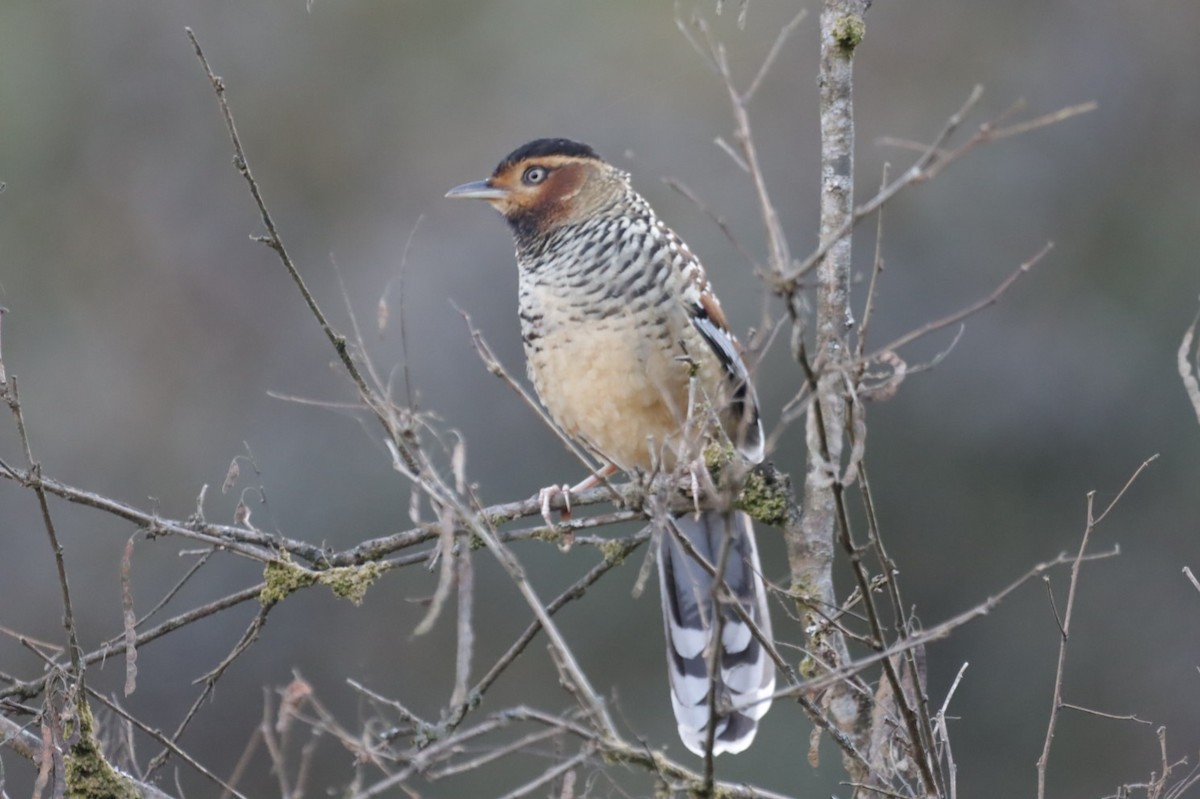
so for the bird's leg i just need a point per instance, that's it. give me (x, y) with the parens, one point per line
(593, 480)
(547, 494)
(550, 492)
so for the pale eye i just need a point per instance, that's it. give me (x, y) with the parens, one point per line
(534, 175)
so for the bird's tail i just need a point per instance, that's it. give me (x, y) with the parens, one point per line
(745, 676)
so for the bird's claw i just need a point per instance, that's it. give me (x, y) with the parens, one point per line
(546, 495)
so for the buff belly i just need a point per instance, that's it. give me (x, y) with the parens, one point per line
(620, 392)
(624, 399)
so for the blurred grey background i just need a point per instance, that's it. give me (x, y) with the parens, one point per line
(146, 329)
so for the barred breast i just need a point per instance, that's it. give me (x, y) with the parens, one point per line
(609, 348)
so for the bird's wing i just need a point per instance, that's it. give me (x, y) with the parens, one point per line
(704, 310)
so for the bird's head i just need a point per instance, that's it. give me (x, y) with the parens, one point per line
(548, 183)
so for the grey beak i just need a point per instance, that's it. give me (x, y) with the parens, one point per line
(477, 190)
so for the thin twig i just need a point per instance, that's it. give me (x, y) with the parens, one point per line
(210, 683)
(496, 368)
(116, 645)
(991, 299)
(33, 479)
(1065, 627)
(175, 589)
(584, 691)
(927, 166)
(406, 715)
(717, 220)
(917, 727)
(784, 34)
(499, 752)
(549, 775)
(162, 739)
(939, 631)
(409, 395)
(575, 591)
(876, 270)
(1114, 716)
(1054, 606)
(1053, 118)
(910, 175)
(275, 242)
(746, 154)
(944, 734)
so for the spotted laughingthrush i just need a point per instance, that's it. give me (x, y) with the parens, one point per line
(622, 332)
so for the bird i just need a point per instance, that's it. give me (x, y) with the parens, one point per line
(627, 347)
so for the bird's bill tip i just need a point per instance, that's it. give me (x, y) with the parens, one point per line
(477, 190)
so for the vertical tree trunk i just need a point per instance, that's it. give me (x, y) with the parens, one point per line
(812, 556)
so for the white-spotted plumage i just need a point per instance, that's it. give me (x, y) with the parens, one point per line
(618, 320)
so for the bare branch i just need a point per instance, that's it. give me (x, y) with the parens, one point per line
(33, 479)
(1053, 118)
(785, 33)
(940, 631)
(1065, 626)
(496, 368)
(927, 166)
(583, 687)
(519, 745)
(943, 735)
(970, 310)
(876, 270)
(210, 682)
(275, 242)
(576, 591)
(911, 175)
(549, 775)
(680, 187)
(162, 739)
(1091, 712)
(746, 154)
